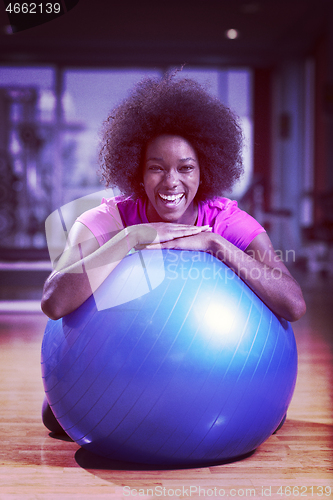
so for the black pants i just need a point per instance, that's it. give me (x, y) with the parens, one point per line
(49, 420)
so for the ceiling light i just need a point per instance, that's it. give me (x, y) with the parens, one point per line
(232, 34)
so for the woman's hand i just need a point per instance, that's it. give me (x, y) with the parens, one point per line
(200, 242)
(161, 234)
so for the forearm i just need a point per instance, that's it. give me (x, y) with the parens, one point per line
(69, 286)
(78, 277)
(270, 281)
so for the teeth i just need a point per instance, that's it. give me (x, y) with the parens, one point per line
(171, 197)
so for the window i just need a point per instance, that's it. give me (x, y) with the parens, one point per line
(50, 122)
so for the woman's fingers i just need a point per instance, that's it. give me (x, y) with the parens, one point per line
(178, 230)
(161, 232)
(199, 241)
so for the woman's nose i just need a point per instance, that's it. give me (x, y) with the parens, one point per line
(171, 178)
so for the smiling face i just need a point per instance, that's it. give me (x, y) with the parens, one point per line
(171, 177)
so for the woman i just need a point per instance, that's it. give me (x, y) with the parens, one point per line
(172, 150)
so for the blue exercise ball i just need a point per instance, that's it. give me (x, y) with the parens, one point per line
(173, 361)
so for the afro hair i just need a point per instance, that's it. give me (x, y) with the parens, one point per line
(177, 107)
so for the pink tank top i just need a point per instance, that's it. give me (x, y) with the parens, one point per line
(221, 214)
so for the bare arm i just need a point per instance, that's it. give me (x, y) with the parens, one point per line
(269, 278)
(84, 265)
(259, 267)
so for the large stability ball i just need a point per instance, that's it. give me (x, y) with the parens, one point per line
(179, 363)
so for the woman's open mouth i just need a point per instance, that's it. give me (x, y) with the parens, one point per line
(171, 200)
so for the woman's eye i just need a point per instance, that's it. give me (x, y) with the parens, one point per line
(155, 168)
(186, 168)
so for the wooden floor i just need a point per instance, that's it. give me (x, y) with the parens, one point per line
(296, 462)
